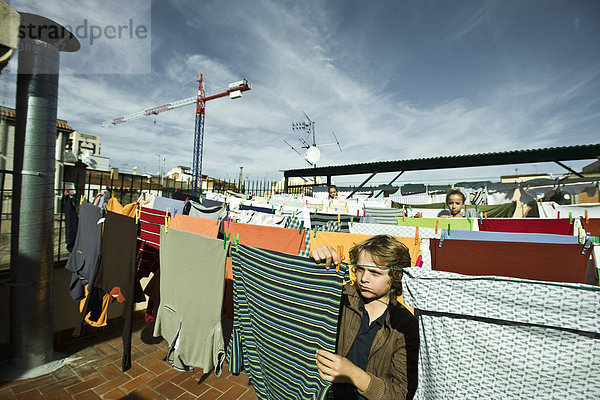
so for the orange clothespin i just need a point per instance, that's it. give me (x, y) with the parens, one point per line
(587, 219)
(437, 226)
(485, 215)
(340, 251)
(403, 216)
(417, 235)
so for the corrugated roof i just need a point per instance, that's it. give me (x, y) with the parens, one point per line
(548, 154)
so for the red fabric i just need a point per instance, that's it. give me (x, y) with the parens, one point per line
(527, 225)
(591, 226)
(538, 261)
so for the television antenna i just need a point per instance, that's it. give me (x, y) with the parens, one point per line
(312, 154)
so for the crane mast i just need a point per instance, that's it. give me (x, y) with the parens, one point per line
(234, 91)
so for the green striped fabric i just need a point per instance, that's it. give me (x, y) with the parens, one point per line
(285, 308)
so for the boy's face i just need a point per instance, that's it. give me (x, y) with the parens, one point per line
(372, 283)
(455, 204)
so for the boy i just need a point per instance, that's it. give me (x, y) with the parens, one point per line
(378, 338)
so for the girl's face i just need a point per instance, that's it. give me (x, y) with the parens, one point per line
(372, 283)
(455, 204)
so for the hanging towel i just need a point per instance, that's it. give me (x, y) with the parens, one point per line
(71, 222)
(198, 210)
(201, 226)
(191, 294)
(540, 261)
(485, 337)
(455, 223)
(527, 225)
(320, 219)
(174, 206)
(286, 307)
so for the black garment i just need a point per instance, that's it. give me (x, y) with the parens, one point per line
(116, 274)
(259, 209)
(71, 221)
(361, 348)
(179, 195)
(85, 257)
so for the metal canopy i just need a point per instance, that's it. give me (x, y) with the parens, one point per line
(551, 154)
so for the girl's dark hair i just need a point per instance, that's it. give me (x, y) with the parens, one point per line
(453, 192)
(385, 251)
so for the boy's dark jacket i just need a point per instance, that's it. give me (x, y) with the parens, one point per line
(394, 354)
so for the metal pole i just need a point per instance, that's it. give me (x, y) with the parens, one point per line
(32, 230)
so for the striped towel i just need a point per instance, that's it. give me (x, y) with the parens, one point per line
(286, 307)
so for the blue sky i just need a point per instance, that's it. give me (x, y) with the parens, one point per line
(393, 79)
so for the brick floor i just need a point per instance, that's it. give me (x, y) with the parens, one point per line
(96, 373)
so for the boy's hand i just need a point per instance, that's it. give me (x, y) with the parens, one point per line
(335, 368)
(327, 254)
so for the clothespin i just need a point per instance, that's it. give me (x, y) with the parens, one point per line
(437, 225)
(81, 199)
(237, 239)
(417, 235)
(301, 226)
(570, 217)
(419, 262)
(558, 214)
(580, 234)
(223, 206)
(346, 205)
(67, 192)
(228, 220)
(340, 251)
(351, 220)
(364, 213)
(485, 215)
(339, 223)
(226, 239)
(186, 199)
(403, 216)
(112, 195)
(316, 229)
(448, 229)
(587, 219)
(357, 211)
(167, 222)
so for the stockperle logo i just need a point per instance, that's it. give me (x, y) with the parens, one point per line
(86, 32)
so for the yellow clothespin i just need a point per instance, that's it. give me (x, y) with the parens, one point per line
(167, 222)
(138, 213)
(112, 195)
(339, 223)
(81, 199)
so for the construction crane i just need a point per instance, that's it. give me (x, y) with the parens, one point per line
(234, 91)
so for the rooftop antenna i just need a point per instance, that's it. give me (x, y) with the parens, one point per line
(312, 153)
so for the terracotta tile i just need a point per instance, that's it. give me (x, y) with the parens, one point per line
(186, 396)
(169, 390)
(87, 395)
(34, 383)
(58, 385)
(85, 371)
(63, 372)
(143, 393)
(59, 395)
(241, 379)
(156, 366)
(111, 358)
(180, 377)
(168, 375)
(5, 394)
(87, 384)
(111, 384)
(115, 394)
(136, 382)
(233, 393)
(221, 384)
(249, 395)
(210, 394)
(30, 395)
(191, 385)
(110, 371)
(105, 349)
(135, 370)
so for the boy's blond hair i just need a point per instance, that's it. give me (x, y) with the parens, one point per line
(385, 251)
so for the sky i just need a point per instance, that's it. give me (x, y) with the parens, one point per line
(394, 80)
